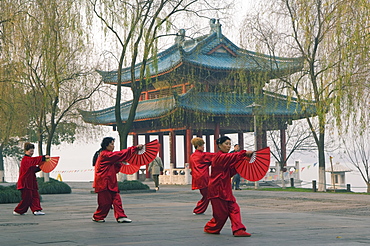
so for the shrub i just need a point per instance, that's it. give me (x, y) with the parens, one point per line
(132, 185)
(9, 194)
(53, 187)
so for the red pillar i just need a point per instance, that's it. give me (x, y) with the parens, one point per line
(161, 148)
(135, 141)
(216, 135)
(188, 136)
(208, 143)
(173, 148)
(241, 140)
(147, 140)
(160, 139)
(264, 138)
(283, 145)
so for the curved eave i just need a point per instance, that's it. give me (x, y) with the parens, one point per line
(218, 104)
(146, 110)
(213, 104)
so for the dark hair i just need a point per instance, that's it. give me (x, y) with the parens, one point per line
(235, 145)
(221, 140)
(28, 146)
(104, 144)
(106, 141)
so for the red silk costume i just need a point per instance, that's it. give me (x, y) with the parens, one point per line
(199, 164)
(220, 193)
(105, 182)
(27, 183)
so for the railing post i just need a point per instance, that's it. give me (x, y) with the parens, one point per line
(314, 186)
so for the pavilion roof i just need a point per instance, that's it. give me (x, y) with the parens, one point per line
(337, 168)
(215, 104)
(210, 52)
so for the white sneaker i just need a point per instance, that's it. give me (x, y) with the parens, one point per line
(98, 221)
(124, 220)
(38, 213)
(15, 213)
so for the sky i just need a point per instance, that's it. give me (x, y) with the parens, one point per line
(76, 159)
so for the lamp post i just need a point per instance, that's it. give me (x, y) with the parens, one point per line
(254, 107)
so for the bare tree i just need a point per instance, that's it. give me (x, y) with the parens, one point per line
(298, 138)
(137, 25)
(332, 38)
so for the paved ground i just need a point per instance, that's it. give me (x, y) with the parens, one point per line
(164, 218)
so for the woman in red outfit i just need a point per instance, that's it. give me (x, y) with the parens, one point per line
(107, 166)
(220, 193)
(199, 164)
(27, 182)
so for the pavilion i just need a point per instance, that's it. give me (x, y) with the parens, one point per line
(208, 86)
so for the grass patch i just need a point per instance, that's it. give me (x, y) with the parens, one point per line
(132, 185)
(294, 189)
(287, 189)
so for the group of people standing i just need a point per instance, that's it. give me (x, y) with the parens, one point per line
(216, 188)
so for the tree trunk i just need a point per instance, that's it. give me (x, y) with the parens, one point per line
(2, 180)
(368, 187)
(321, 150)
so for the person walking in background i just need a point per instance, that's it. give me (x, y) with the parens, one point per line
(107, 165)
(236, 177)
(199, 165)
(220, 193)
(155, 168)
(27, 182)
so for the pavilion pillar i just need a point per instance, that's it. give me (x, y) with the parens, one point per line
(161, 148)
(263, 139)
(208, 143)
(241, 140)
(283, 147)
(135, 141)
(258, 135)
(199, 134)
(188, 136)
(147, 174)
(216, 134)
(172, 137)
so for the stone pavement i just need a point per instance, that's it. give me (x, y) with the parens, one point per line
(164, 218)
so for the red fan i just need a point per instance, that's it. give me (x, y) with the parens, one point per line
(146, 155)
(129, 169)
(255, 168)
(49, 164)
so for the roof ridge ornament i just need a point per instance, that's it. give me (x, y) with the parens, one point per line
(215, 27)
(180, 37)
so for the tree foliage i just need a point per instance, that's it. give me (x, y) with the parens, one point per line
(49, 62)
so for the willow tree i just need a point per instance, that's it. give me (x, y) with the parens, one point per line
(137, 25)
(330, 36)
(13, 116)
(51, 47)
